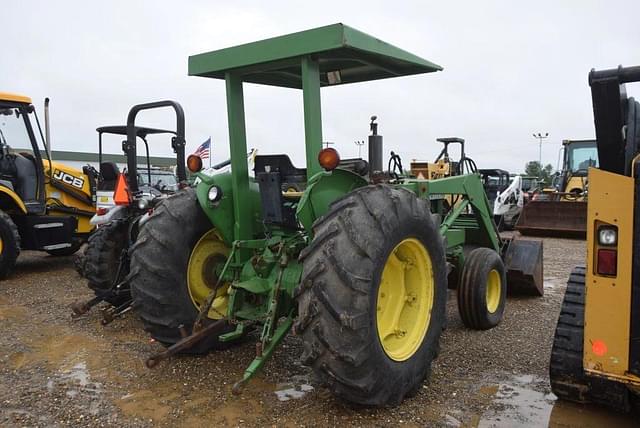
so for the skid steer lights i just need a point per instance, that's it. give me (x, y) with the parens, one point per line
(194, 163)
(215, 194)
(329, 158)
(607, 235)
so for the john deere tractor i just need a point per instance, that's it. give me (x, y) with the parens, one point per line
(354, 258)
(596, 349)
(44, 205)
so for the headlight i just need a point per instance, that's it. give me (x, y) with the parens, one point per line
(608, 235)
(215, 194)
(143, 204)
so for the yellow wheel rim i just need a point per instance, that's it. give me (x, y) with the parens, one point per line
(405, 299)
(208, 253)
(494, 290)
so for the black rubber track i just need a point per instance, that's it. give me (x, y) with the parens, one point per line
(102, 257)
(568, 379)
(10, 245)
(471, 292)
(337, 294)
(158, 277)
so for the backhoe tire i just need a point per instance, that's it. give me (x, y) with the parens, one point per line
(158, 278)
(10, 245)
(68, 251)
(102, 258)
(375, 246)
(482, 292)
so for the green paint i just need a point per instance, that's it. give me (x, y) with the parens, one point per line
(312, 114)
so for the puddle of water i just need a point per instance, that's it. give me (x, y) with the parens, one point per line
(298, 387)
(517, 404)
(75, 382)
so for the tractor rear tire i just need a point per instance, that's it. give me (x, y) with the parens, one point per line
(158, 278)
(102, 257)
(342, 284)
(10, 245)
(482, 292)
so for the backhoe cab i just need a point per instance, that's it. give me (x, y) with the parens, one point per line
(44, 205)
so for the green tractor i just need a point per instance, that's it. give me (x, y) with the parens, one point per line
(354, 259)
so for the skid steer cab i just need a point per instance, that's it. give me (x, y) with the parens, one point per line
(354, 255)
(44, 205)
(125, 200)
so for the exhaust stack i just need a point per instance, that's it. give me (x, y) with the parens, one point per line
(47, 130)
(375, 148)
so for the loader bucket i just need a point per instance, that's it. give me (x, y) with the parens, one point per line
(523, 263)
(564, 219)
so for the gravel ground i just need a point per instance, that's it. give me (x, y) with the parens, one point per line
(55, 371)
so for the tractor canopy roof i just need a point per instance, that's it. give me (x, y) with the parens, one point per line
(344, 55)
(141, 131)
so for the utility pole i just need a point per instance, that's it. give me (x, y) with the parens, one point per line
(540, 137)
(359, 144)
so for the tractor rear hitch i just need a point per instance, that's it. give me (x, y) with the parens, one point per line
(185, 343)
(112, 313)
(80, 308)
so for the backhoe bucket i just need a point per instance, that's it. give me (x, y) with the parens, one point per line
(523, 263)
(566, 219)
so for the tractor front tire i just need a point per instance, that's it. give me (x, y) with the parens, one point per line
(372, 295)
(159, 265)
(9, 245)
(482, 292)
(102, 257)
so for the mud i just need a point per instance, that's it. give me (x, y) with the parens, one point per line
(56, 371)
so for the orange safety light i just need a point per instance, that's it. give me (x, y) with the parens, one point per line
(329, 158)
(194, 163)
(121, 195)
(599, 348)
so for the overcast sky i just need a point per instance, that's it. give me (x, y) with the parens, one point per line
(510, 69)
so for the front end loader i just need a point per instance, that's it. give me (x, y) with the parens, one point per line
(353, 258)
(596, 349)
(561, 210)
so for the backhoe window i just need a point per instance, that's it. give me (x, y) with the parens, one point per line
(13, 131)
(581, 158)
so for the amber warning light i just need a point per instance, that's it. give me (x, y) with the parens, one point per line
(329, 158)
(194, 163)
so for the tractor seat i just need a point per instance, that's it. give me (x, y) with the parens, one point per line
(109, 172)
(281, 185)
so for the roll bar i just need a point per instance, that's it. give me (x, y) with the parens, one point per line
(177, 142)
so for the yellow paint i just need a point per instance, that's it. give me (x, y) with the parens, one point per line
(207, 254)
(8, 96)
(494, 291)
(405, 299)
(608, 299)
(67, 199)
(14, 197)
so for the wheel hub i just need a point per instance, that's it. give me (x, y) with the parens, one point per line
(405, 299)
(208, 254)
(494, 291)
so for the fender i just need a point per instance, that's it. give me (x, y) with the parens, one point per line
(113, 213)
(14, 197)
(322, 190)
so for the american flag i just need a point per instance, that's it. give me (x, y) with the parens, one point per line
(203, 149)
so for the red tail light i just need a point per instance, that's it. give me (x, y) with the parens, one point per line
(607, 262)
(101, 211)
